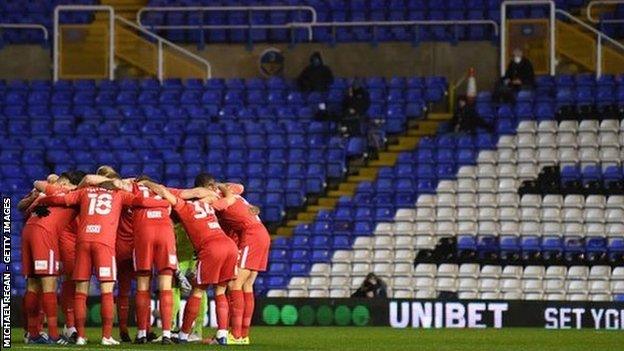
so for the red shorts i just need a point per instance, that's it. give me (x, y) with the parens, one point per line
(123, 249)
(254, 248)
(40, 252)
(157, 249)
(95, 257)
(216, 262)
(67, 247)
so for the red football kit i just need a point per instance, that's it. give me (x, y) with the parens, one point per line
(253, 237)
(217, 254)
(40, 237)
(153, 229)
(100, 211)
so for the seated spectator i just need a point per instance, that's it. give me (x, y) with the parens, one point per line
(316, 76)
(465, 119)
(355, 110)
(519, 75)
(371, 287)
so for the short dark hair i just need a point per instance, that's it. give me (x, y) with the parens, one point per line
(75, 177)
(204, 179)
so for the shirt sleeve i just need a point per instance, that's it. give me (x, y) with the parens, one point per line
(175, 191)
(73, 197)
(236, 188)
(140, 201)
(127, 198)
(220, 204)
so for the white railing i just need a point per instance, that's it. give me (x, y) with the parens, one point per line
(503, 36)
(249, 9)
(40, 27)
(600, 37)
(594, 3)
(111, 37)
(161, 42)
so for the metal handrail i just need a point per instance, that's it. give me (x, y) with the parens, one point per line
(111, 39)
(600, 36)
(27, 26)
(602, 2)
(161, 41)
(311, 9)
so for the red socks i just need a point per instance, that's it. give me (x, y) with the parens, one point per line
(248, 312)
(237, 307)
(223, 312)
(67, 300)
(123, 309)
(166, 308)
(190, 313)
(31, 306)
(49, 307)
(80, 312)
(142, 309)
(107, 314)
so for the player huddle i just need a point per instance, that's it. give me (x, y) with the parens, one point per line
(120, 229)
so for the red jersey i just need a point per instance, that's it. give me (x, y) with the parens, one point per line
(59, 217)
(100, 211)
(237, 216)
(124, 230)
(199, 221)
(150, 216)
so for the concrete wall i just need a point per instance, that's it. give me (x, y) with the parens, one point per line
(25, 62)
(348, 60)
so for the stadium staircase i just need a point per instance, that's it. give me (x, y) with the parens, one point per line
(136, 51)
(406, 142)
(573, 42)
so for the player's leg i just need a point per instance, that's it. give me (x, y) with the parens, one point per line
(166, 303)
(237, 302)
(123, 298)
(106, 270)
(80, 309)
(190, 312)
(48, 286)
(142, 306)
(248, 295)
(81, 276)
(198, 329)
(107, 312)
(68, 289)
(32, 307)
(166, 261)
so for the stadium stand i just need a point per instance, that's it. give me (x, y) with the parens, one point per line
(468, 189)
(261, 132)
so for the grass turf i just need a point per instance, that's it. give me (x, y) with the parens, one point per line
(385, 338)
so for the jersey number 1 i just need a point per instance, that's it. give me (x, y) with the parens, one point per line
(101, 204)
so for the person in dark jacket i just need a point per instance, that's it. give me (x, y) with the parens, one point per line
(519, 75)
(316, 76)
(519, 72)
(371, 287)
(466, 120)
(355, 110)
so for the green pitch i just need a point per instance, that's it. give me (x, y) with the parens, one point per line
(385, 338)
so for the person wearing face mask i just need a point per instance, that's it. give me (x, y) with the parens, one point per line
(519, 72)
(519, 76)
(316, 76)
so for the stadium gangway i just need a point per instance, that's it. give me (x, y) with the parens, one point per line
(598, 3)
(249, 9)
(113, 21)
(40, 27)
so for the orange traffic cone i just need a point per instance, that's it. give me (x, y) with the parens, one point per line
(471, 86)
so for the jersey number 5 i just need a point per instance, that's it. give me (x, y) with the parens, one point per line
(101, 204)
